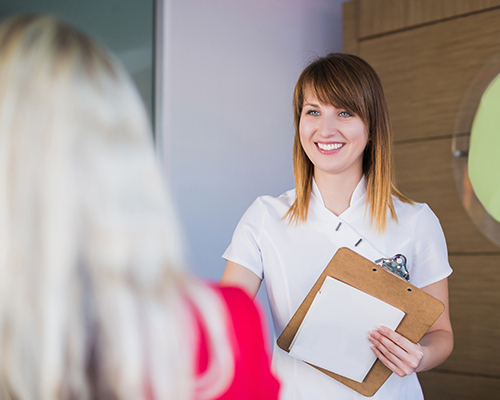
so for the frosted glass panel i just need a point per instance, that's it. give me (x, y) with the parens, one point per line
(123, 26)
(476, 151)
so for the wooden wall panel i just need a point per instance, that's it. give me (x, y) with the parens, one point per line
(350, 27)
(424, 173)
(474, 310)
(384, 16)
(426, 71)
(378, 16)
(439, 386)
(426, 11)
(427, 57)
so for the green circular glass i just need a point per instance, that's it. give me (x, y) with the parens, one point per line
(476, 151)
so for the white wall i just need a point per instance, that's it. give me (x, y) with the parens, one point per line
(229, 71)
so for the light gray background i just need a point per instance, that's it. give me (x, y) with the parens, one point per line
(229, 72)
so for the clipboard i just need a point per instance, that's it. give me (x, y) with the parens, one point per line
(347, 266)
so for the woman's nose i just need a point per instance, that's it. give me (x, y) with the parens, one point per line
(328, 126)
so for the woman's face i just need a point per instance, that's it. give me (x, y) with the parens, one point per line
(333, 139)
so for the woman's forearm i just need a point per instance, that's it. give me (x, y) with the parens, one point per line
(437, 347)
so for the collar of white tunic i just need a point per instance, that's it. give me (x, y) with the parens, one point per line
(358, 194)
(350, 229)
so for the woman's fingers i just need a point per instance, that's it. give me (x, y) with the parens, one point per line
(389, 353)
(393, 367)
(395, 351)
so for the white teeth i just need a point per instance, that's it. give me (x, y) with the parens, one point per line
(331, 146)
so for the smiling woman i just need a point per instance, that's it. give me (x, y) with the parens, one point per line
(344, 196)
(334, 141)
(350, 85)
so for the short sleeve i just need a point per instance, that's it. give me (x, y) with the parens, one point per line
(245, 244)
(430, 254)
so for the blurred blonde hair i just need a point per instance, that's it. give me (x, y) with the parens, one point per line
(94, 302)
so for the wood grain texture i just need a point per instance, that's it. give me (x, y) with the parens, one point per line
(441, 386)
(426, 11)
(474, 305)
(380, 16)
(350, 27)
(384, 16)
(426, 71)
(473, 370)
(424, 173)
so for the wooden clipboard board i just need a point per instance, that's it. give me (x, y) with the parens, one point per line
(347, 266)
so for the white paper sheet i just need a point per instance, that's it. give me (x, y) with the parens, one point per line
(334, 333)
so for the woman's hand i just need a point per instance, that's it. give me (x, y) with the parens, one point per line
(404, 357)
(396, 352)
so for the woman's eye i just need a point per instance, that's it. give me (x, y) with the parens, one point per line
(344, 114)
(313, 112)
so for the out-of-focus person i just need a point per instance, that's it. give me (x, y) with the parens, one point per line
(94, 299)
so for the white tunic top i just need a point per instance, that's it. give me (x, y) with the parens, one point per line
(290, 258)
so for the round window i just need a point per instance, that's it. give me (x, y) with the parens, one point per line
(476, 151)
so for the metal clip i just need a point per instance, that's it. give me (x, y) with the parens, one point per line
(396, 265)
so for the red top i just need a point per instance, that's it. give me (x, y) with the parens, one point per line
(252, 375)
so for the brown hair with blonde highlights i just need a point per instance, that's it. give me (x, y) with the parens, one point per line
(348, 82)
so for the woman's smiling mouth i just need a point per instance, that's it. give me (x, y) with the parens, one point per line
(329, 146)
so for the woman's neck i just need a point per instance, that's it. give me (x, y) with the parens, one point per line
(337, 189)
